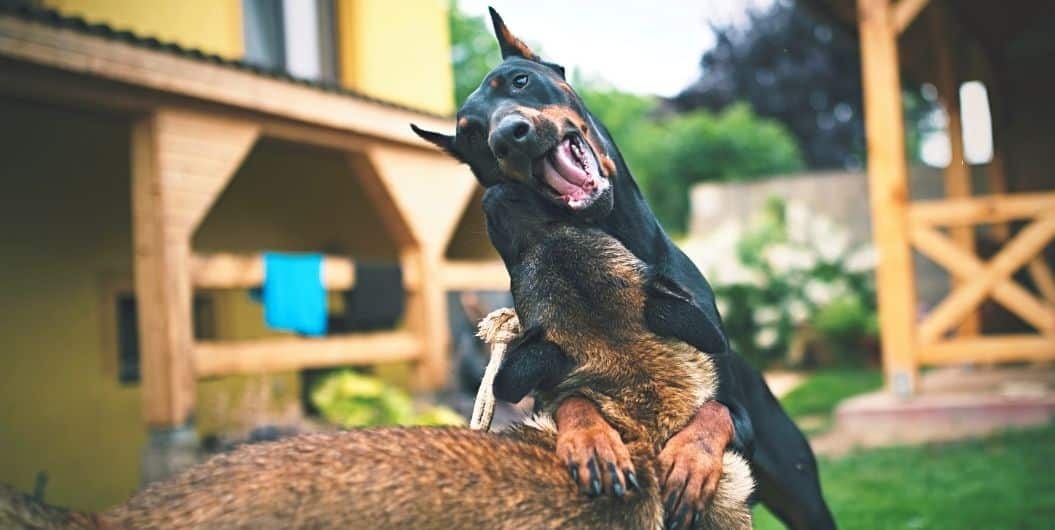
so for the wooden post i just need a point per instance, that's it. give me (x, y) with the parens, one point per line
(957, 174)
(888, 190)
(420, 196)
(180, 163)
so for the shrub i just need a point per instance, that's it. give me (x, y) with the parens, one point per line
(791, 280)
(351, 399)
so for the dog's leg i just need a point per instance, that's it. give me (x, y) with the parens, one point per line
(783, 463)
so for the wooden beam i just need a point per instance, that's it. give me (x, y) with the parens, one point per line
(1042, 277)
(236, 271)
(996, 178)
(475, 276)
(964, 298)
(888, 191)
(430, 194)
(905, 11)
(990, 349)
(76, 51)
(180, 163)
(966, 266)
(979, 210)
(215, 358)
(426, 316)
(957, 177)
(162, 289)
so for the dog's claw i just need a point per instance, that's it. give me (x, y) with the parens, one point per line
(595, 477)
(696, 516)
(631, 480)
(617, 485)
(668, 505)
(573, 468)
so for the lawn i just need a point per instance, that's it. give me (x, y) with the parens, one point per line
(1002, 482)
(811, 404)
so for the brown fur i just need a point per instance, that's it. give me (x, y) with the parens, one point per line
(588, 293)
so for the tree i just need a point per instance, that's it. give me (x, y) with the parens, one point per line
(793, 68)
(667, 153)
(474, 51)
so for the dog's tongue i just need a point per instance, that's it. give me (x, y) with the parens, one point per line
(563, 173)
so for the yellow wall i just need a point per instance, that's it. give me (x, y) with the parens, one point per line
(397, 51)
(66, 229)
(213, 26)
(65, 222)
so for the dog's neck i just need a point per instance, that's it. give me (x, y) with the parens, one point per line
(631, 220)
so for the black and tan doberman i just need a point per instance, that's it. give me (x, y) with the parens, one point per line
(526, 124)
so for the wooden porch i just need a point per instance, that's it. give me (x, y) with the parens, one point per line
(946, 43)
(194, 122)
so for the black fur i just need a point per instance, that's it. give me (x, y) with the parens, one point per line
(530, 363)
(781, 458)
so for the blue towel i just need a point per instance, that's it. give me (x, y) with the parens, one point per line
(294, 296)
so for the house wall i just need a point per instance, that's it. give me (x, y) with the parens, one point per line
(395, 51)
(213, 26)
(64, 228)
(65, 250)
(398, 51)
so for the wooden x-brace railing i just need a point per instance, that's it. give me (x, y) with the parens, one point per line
(982, 279)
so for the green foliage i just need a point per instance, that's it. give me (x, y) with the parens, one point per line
(351, 399)
(1001, 482)
(791, 283)
(473, 51)
(668, 155)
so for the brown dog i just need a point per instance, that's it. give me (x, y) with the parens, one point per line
(584, 324)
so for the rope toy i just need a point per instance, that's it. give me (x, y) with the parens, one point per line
(497, 329)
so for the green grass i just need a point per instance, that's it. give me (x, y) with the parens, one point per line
(1003, 482)
(1006, 482)
(812, 403)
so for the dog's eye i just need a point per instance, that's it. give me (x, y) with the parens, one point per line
(520, 81)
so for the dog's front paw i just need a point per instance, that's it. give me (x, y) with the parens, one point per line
(593, 451)
(692, 461)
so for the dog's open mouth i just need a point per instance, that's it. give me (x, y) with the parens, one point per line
(570, 172)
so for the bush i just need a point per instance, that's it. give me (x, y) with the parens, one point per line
(351, 399)
(791, 281)
(667, 156)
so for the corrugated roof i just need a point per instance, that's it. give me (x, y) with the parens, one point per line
(58, 20)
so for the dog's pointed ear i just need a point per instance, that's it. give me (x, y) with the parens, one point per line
(443, 141)
(531, 362)
(671, 311)
(509, 44)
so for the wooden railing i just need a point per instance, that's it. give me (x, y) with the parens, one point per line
(979, 280)
(240, 271)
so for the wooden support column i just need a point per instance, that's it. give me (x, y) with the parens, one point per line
(957, 174)
(421, 194)
(888, 190)
(180, 164)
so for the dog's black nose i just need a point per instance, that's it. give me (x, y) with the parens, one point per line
(514, 133)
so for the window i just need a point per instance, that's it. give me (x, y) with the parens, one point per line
(128, 354)
(977, 123)
(295, 36)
